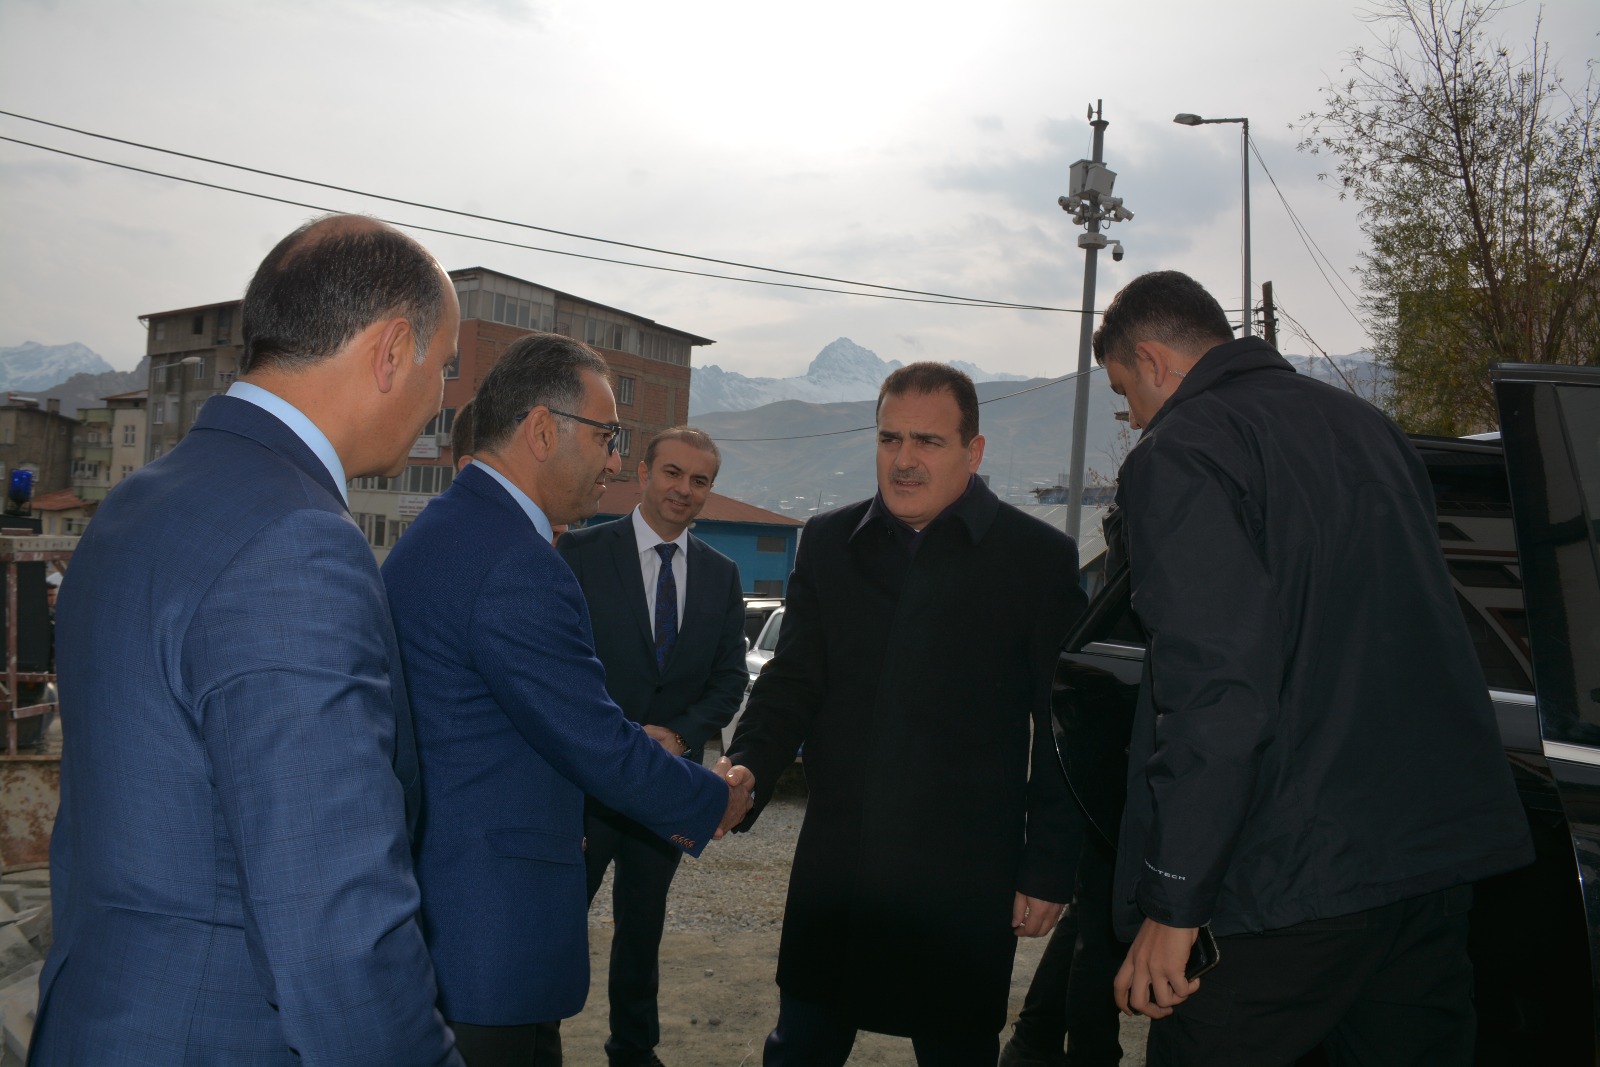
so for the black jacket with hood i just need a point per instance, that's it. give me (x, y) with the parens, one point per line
(1314, 735)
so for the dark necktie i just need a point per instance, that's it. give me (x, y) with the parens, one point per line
(666, 606)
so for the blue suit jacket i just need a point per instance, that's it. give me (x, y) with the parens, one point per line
(230, 871)
(513, 728)
(697, 691)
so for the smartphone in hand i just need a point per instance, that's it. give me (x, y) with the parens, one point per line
(1203, 956)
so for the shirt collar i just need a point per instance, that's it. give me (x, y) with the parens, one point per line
(648, 539)
(299, 425)
(524, 501)
(975, 507)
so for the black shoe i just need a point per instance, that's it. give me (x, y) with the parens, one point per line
(1018, 1054)
(648, 1059)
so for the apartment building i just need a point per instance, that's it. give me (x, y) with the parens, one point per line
(194, 354)
(110, 445)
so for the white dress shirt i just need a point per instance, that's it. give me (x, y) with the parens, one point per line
(650, 565)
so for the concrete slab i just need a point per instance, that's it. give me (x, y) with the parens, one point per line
(17, 1004)
(15, 951)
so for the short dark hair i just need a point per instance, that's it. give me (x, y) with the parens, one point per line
(1166, 306)
(461, 433)
(541, 369)
(328, 281)
(689, 436)
(931, 377)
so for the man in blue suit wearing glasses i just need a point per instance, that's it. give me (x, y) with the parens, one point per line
(514, 724)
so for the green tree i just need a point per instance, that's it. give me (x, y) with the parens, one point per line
(1479, 184)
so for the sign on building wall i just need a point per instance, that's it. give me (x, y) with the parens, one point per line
(411, 506)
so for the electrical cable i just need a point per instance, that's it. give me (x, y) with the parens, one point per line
(1309, 242)
(942, 297)
(536, 248)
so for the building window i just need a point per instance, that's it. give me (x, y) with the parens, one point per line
(159, 374)
(625, 442)
(130, 434)
(198, 326)
(126, 470)
(624, 390)
(426, 480)
(440, 423)
(772, 544)
(156, 411)
(453, 368)
(161, 329)
(202, 369)
(769, 587)
(224, 325)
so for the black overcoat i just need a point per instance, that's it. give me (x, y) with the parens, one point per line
(916, 682)
(1314, 737)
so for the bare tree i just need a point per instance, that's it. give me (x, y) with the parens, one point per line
(1479, 184)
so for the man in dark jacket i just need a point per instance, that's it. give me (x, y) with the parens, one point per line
(1315, 769)
(914, 664)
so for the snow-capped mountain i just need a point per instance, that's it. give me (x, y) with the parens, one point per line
(842, 371)
(32, 367)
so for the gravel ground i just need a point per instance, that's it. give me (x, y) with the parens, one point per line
(720, 952)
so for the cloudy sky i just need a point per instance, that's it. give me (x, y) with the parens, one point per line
(911, 144)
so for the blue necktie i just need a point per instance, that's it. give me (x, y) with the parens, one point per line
(666, 606)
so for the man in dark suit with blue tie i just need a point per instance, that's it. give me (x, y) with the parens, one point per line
(514, 726)
(668, 615)
(230, 869)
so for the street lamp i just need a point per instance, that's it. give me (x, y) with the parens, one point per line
(1187, 119)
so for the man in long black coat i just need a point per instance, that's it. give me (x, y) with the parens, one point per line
(914, 665)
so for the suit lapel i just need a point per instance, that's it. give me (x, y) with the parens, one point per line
(699, 596)
(630, 577)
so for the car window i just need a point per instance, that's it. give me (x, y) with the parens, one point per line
(1476, 534)
(1552, 434)
(769, 636)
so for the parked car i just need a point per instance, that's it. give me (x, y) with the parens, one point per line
(757, 610)
(1534, 616)
(760, 651)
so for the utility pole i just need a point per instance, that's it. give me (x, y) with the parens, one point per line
(1269, 315)
(1089, 203)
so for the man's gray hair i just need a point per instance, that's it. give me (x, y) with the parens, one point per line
(540, 370)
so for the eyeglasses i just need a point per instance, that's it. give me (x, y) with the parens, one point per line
(612, 429)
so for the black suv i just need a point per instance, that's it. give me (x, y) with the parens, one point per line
(1534, 617)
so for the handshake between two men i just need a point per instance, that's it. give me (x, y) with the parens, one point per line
(741, 794)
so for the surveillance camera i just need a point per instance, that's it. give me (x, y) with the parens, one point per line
(1116, 251)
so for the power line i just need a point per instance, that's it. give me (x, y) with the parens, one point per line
(1305, 335)
(1309, 242)
(536, 248)
(937, 297)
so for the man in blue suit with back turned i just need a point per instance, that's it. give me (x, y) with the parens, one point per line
(514, 726)
(671, 636)
(230, 870)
